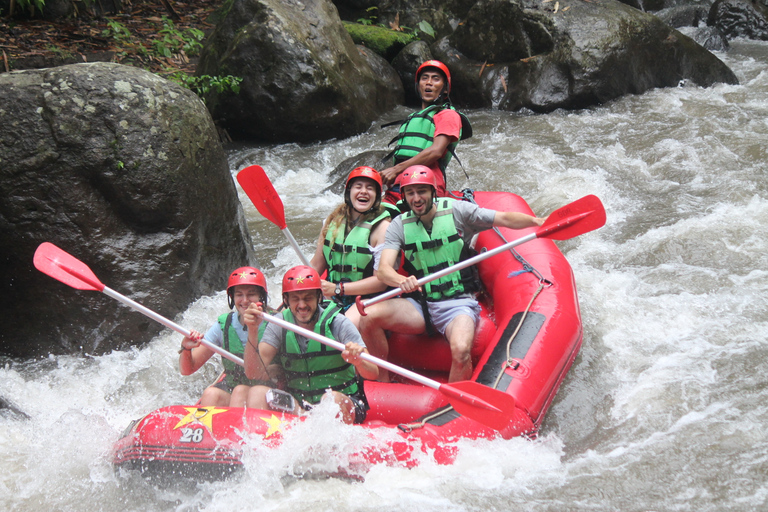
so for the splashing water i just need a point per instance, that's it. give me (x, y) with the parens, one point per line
(664, 409)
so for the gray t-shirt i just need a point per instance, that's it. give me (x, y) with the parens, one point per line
(216, 337)
(342, 328)
(469, 219)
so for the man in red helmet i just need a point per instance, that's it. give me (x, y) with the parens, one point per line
(434, 234)
(428, 137)
(245, 286)
(311, 368)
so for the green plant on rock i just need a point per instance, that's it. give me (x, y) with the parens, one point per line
(371, 19)
(202, 85)
(383, 41)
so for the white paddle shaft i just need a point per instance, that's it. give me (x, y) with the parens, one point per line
(292, 241)
(339, 346)
(168, 323)
(453, 268)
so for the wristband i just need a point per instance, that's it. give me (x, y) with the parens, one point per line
(342, 288)
(183, 348)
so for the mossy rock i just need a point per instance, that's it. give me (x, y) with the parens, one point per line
(383, 41)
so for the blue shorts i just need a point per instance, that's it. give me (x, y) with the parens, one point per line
(443, 312)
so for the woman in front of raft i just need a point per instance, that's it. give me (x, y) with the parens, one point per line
(246, 285)
(350, 242)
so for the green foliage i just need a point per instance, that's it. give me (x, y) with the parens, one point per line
(117, 31)
(371, 19)
(31, 5)
(425, 27)
(173, 40)
(202, 85)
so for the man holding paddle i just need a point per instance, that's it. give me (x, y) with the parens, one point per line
(435, 234)
(312, 370)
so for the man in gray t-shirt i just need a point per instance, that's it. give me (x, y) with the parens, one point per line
(312, 369)
(434, 232)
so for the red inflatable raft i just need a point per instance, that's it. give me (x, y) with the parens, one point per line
(528, 361)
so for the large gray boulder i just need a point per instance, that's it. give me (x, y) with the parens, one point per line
(740, 18)
(512, 55)
(303, 77)
(123, 170)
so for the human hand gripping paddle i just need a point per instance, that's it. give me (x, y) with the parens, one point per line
(483, 404)
(574, 219)
(64, 267)
(259, 189)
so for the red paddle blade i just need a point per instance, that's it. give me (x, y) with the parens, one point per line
(259, 189)
(574, 219)
(64, 267)
(485, 405)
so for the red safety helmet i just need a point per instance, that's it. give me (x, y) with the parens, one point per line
(417, 175)
(301, 278)
(440, 67)
(364, 172)
(246, 275)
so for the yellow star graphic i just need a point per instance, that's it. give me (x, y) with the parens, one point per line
(275, 425)
(300, 279)
(202, 415)
(243, 275)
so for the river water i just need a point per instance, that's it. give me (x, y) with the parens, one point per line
(664, 409)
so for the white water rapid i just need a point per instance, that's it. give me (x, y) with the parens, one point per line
(666, 407)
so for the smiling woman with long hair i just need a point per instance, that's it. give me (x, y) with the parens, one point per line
(349, 243)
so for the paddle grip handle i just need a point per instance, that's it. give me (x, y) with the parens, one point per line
(360, 306)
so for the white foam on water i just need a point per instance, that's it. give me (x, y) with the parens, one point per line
(664, 408)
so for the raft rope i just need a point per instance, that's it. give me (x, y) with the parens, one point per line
(468, 195)
(510, 363)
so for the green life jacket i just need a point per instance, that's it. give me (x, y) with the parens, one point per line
(352, 259)
(235, 374)
(417, 133)
(311, 373)
(430, 252)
